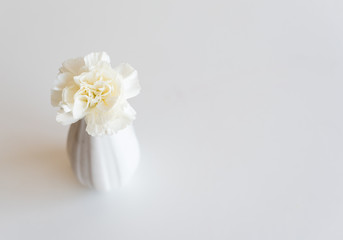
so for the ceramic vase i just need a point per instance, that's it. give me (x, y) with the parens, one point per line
(103, 162)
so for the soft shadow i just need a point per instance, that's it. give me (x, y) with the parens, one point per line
(39, 171)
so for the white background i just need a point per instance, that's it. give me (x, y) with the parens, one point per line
(240, 119)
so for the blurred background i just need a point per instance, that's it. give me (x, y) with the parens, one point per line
(239, 119)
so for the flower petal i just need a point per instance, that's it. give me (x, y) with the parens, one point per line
(63, 79)
(130, 81)
(68, 94)
(100, 123)
(80, 108)
(65, 118)
(73, 65)
(66, 108)
(107, 105)
(93, 59)
(56, 97)
(122, 120)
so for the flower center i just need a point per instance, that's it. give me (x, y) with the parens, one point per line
(96, 90)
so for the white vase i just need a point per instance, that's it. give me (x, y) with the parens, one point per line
(104, 162)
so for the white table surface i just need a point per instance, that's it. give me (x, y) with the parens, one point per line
(240, 120)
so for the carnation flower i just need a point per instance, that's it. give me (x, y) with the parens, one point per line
(90, 88)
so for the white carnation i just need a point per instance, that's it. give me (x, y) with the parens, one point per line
(90, 88)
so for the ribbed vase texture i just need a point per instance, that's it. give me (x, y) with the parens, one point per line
(103, 162)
